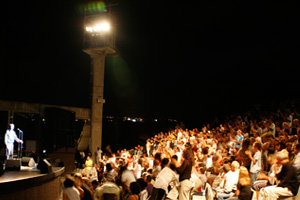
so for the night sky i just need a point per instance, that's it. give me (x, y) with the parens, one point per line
(190, 60)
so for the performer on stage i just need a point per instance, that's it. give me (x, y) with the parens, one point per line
(9, 139)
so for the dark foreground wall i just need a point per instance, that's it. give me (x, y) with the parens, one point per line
(40, 187)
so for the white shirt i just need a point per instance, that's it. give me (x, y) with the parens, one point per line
(107, 187)
(273, 127)
(137, 171)
(254, 168)
(231, 179)
(127, 178)
(10, 137)
(296, 163)
(72, 193)
(164, 178)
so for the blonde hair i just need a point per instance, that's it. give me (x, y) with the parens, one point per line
(244, 176)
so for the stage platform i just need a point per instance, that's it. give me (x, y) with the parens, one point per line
(29, 183)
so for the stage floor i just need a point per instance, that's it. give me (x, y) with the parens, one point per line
(26, 177)
(23, 173)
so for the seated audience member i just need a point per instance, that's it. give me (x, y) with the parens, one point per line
(243, 191)
(263, 179)
(80, 183)
(143, 185)
(134, 191)
(288, 183)
(220, 178)
(110, 174)
(95, 184)
(149, 184)
(230, 182)
(127, 177)
(70, 192)
(107, 188)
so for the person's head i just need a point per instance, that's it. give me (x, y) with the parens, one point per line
(282, 156)
(297, 148)
(235, 165)
(239, 132)
(143, 184)
(244, 176)
(11, 126)
(148, 178)
(226, 168)
(174, 157)
(289, 146)
(69, 182)
(202, 170)
(108, 167)
(205, 150)
(135, 188)
(164, 162)
(245, 143)
(256, 146)
(78, 178)
(95, 183)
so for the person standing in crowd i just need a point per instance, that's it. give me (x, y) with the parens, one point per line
(185, 171)
(255, 161)
(9, 139)
(163, 180)
(98, 155)
(239, 139)
(243, 159)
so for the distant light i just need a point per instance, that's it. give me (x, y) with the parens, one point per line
(155, 120)
(43, 120)
(133, 120)
(44, 151)
(104, 27)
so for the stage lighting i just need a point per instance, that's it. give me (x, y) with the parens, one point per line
(102, 27)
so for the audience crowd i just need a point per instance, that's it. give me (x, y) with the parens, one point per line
(255, 155)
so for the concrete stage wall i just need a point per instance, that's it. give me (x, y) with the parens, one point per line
(31, 187)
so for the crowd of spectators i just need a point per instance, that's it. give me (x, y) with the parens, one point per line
(243, 156)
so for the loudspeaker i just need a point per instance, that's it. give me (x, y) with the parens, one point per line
(13, 164)
(28, 162)
(45, 167)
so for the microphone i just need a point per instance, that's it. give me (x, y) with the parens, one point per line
(19, 129)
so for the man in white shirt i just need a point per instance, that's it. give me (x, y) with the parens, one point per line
(230, 181)
(9, 139)
(107, 188)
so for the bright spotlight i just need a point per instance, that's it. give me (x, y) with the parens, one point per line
(104, 27)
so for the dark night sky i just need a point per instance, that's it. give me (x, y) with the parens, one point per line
(187, 60)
